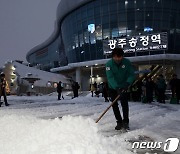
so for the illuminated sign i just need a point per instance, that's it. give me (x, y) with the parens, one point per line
(151, 42)
(91, 28)
(148, 29)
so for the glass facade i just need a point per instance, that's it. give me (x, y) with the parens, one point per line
(50, 56)
(116, 19)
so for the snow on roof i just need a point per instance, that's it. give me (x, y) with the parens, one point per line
(23, 71)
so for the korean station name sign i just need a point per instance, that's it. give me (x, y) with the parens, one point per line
(141, 43)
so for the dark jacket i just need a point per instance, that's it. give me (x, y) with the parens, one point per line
(59, 88)
(75, 86)
(175, 84)
(161, 84)
(3, 86)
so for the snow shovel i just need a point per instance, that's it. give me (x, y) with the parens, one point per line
(107, 108)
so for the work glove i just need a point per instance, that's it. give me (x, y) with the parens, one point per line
(124, 89)
(126, 86)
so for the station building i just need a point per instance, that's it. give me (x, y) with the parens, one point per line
(87, 30)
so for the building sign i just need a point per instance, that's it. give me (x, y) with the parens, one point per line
(151, 42)
(91, 28)
(148, 29)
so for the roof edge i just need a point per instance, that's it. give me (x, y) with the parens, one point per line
(63, 9)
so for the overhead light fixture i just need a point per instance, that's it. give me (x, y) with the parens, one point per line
(96, 64)
(87, 66)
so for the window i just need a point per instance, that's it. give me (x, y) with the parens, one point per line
(92, 38)
(157, 15)
(140, 4)
(97, 11)
(173, 18)
(113, 21)
(104, 2)
(106, 34)
(76, 41)
(121, 5)
(90, 12)
(105, 19)
(165, 15)
(98, 21)
(105, 9)
(129, 4)
(78, 15)
(113, 17)
(140, 15)
(90, 9)
(131, 25)
(115, 32)
(84, 25)
(122, 17)
(113, 7)
(98, 32)
(166, 4)
(81, 40)
(84, 13)
(149, 5)
(130, 15)
(86, 37)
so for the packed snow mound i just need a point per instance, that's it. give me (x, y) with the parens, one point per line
(69, 135)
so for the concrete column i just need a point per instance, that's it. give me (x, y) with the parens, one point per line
(177, 69)
(78, 75)
(91, 76)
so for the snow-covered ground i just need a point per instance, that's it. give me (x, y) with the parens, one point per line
(43, 125)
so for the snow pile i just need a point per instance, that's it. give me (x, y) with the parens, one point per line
(69, 135)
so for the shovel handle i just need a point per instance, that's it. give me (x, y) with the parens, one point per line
(107, 108)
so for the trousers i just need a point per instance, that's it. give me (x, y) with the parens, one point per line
(4, 95)
(124, 104)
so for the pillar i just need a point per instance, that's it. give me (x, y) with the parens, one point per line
(177, 69)
(91, 76)
(78, 75)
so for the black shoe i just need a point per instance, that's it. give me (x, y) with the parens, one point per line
(1, 103)
(7, 104)
(126, 126)
(119, 126)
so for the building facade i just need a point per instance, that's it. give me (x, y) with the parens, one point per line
(85, 27)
